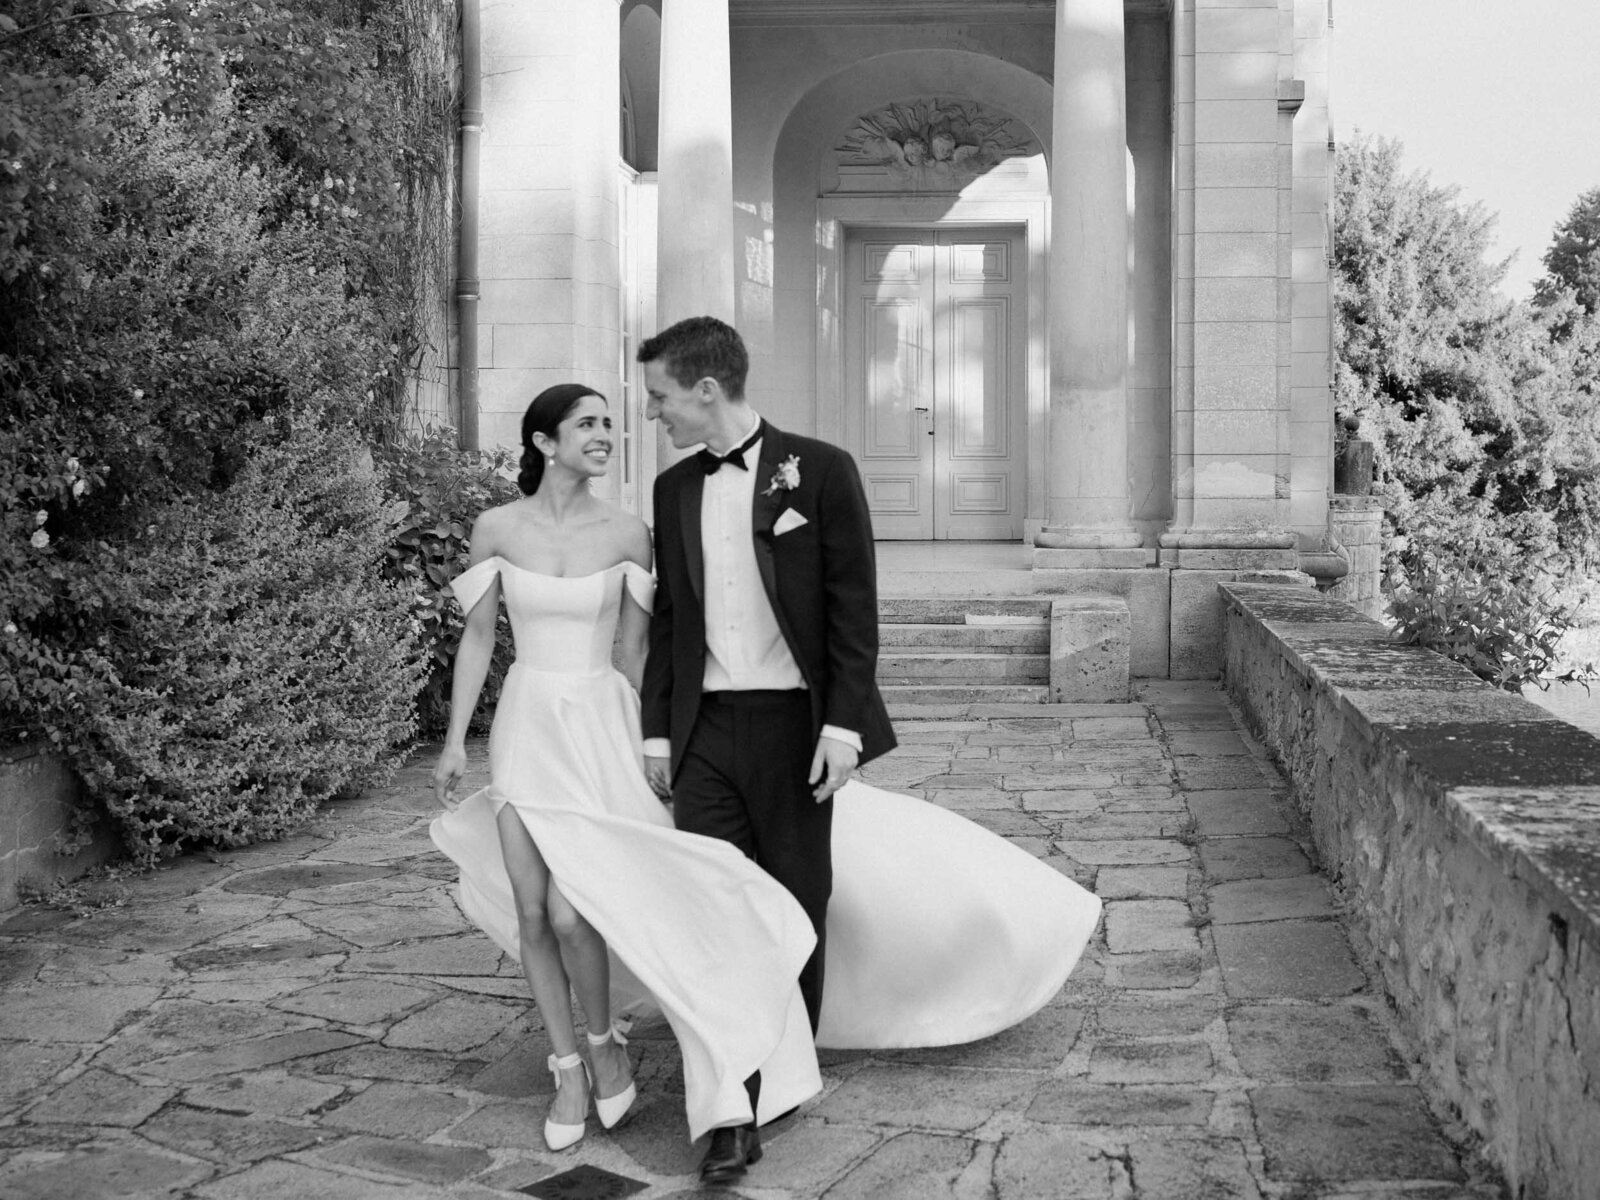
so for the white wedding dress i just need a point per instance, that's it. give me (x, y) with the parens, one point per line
(939, 932)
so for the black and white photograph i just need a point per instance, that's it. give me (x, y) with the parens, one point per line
(799, 600)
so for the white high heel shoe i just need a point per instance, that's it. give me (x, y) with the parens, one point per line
(556, 1135)
(612, 1109)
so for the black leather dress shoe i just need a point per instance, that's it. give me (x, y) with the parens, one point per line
(732, 1151)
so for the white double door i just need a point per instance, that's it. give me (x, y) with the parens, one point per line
(935, 381)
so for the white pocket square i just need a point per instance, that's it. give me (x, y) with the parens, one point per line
(787, 520)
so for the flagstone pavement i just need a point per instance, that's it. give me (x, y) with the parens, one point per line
(314, 1018)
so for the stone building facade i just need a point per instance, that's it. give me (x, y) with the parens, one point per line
(1056, 273)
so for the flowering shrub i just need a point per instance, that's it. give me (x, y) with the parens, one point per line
(444, 490)
(1497, 610)
(255, 664)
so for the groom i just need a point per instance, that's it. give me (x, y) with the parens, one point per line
(759, 695)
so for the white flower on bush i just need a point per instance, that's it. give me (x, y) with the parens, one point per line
(138, 393)
(72, 466)
(79, 487)
(40, 517)
(11, 628)
(40, 539)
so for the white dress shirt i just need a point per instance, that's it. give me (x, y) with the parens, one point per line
(745, 650)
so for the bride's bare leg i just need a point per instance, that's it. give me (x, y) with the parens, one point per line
(541, 959)
(584, 952)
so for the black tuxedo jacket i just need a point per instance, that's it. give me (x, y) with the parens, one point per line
(821, 578)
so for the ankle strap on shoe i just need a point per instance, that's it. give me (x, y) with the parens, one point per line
(612, 1034)
(566, 1062)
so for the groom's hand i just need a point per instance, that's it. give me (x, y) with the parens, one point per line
(658, 773)
(832, 764)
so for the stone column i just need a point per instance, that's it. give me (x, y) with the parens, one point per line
(694, 203)
(1089, 506)
(1231, 462)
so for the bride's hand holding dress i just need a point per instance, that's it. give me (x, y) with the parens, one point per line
(447, 773)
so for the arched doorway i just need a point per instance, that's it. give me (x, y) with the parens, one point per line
(915, 220)
(933, 380)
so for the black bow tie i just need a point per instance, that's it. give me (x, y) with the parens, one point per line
(710, 463)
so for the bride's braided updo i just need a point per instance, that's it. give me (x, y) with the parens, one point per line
(549, 408)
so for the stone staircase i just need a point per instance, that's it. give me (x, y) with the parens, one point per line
(962, 636)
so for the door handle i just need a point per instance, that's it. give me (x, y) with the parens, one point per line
(927, 412)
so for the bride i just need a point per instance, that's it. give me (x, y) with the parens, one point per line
(939, 932)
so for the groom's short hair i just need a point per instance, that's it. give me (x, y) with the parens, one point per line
(700, 348)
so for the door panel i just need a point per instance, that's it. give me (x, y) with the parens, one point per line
(935, 342)
(894, 379)
(889, 356)
(978, 387)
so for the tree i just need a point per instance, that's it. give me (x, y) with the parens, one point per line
(1482, 422)
(1572, 262)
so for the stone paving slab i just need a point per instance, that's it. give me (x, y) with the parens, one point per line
(314, 1018)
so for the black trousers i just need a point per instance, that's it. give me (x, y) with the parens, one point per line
(743, 779)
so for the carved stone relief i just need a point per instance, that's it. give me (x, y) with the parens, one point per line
(928, 145)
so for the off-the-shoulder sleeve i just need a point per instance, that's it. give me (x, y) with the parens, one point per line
(469, 587)
(641, 585)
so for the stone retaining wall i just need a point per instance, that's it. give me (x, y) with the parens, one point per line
(38, 796)
(1461, 826)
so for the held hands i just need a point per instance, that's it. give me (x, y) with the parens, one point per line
(447, 772)
(658, 773)
(833, 764)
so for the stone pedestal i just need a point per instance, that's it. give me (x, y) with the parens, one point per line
(1146, 593)
(1089, 647)
(1357, 521)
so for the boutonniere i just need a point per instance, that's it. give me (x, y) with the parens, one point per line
(786, 478)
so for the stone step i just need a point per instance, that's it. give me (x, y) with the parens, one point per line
(900, 696)
(900, 609)
(939, 666)
(992, 582)
(993, 639)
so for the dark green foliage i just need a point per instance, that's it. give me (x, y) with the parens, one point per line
(1477, 411)
(1483, 417)
(209, 218)
(444, 490)
(1481, 602)
(254, 664)
(1572, 263)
